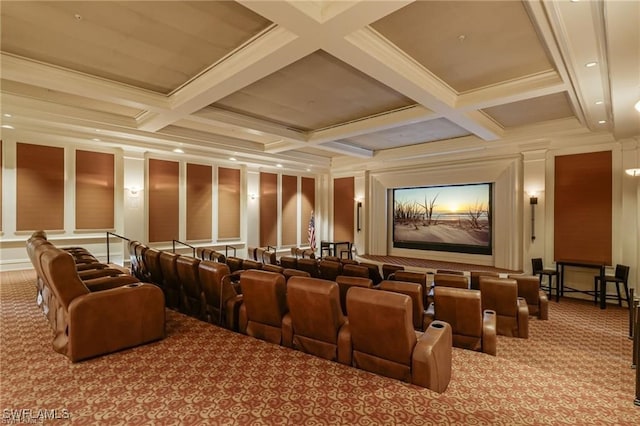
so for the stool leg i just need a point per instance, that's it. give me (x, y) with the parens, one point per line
(626, 294)
(618, 291)
(595, 290)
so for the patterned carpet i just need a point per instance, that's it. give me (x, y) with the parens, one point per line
(574, 369)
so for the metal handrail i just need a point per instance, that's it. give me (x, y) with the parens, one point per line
(184, 244)
(107, 238)
(271, 248)
(226, 250)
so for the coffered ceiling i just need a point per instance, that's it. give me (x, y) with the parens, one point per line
(302, 82)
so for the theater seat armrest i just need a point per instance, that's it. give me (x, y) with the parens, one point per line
(232, 312)
(523, 318)
(242, 319)
(345, 347)
(543, 310)
(90, 266)
(110, 320)
(489, 339)
(431, 359)
(97, 273)
(109, 282)
(287, 331)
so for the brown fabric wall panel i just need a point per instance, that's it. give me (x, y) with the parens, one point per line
(94, 190)
(163, 200)
(289, 210)
(268, 209)
(308, 193)
(40, 187)
(1, 171)
(199, 205)
(228, 203)
(343, 205)
(583, 207)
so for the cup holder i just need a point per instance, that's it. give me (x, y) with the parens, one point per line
(437, 325)
(490, 312)
(133, 285)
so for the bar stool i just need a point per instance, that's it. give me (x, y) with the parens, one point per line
(539, 269)
(621, 277)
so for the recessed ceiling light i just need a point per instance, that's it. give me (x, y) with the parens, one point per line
(98, 130)
(279, 165)
(7, 115)
(575, 1)
(232, 158)
(599, 102)
(96, 139)
(78, 17)
(178, 151)
(591, 64)
(602, 121)
(7, 126)
(308, 170)
(461, 38)
(637, 107)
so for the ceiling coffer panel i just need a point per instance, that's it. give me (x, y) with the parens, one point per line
(315, 92)
(470, 44)
(157, 46)
(530, 111)
(412, 134)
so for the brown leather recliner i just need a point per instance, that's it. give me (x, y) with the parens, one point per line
(472, 327)
(412, 277)
(192, 300)
(288, 262)
(374, 272)
(288, 273)
(263, 306)
(450, 280)
(388, 269)
(501, 296)
(414, 291)
(251, 264)
(272, 268)
(385, 343)
(92, 324)
(152, 266)
(222, 302)
(310, 266)
(234, 263)
(315, 323)
(346, 282)
(329, 269)
(474, 281)
(529, 290)
(353, 270)
(170, 281)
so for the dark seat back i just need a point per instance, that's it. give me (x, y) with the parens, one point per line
(316, 317)
(171, 283)
(192, 300)
(264, 304)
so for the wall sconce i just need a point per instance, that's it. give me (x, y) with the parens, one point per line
(134, 191)
(533, 200)
(253, 196)
(359, 212)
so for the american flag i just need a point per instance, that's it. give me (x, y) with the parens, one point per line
(312, 232)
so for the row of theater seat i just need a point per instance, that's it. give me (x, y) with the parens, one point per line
(246, 295)
(205, 289)
(377, 335)
(92, 308)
